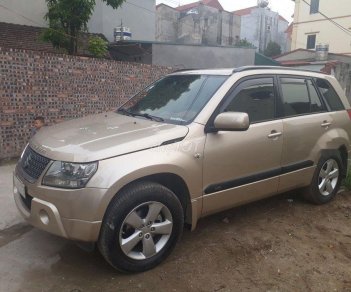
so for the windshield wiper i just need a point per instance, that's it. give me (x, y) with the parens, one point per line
(126, 112)
(148, 116)
(145, 115)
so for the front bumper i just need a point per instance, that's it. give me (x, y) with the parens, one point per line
(72, 214)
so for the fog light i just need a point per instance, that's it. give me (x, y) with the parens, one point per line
(44, 217)
(15, 190)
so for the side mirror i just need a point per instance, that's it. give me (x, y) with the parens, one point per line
(232, 121)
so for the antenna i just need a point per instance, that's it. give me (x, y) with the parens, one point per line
(262, 3)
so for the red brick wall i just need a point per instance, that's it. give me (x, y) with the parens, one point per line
(60, 87)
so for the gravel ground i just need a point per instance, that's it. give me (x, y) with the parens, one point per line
(279, 244)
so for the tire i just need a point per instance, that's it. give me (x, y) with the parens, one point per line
(141, 227)
(326, 180)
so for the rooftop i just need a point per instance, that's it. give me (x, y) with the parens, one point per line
(248, 10)
(211, 3)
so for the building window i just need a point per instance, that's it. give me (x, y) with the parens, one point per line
(311, 41)
(314, 6)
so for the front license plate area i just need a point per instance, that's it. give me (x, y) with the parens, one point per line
(21, 189)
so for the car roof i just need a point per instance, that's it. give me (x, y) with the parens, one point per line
(231, 71)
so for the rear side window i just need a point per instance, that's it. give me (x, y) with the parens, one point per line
(329, 94)
(300, 97)
(254, 97)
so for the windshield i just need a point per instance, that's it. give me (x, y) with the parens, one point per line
(174, 99)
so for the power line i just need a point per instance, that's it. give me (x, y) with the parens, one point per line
(141, 7)
(344, 29)
(18, 14)
(37, 23)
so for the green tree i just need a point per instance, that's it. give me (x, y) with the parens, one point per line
(67, 19)
(97, 47)
(273, 49)
(244, 43)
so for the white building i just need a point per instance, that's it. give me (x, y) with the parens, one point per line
(322, 22)
(260, 25)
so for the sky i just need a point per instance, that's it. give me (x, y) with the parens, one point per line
(284, 7)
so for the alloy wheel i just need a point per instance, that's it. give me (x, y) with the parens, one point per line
(145, 230)
(328, 177)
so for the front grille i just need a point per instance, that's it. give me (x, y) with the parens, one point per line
(27, 201)
(33, 164)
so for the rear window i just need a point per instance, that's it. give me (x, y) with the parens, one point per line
(329, 94)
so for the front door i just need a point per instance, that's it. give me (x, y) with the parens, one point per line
(243, 166)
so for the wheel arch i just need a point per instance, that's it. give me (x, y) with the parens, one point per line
(173, 182)
(341, 153)
(344, 159)
(335, 141)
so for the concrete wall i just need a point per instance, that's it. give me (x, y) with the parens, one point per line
(254, 28)
(198, 57)
(326, 32)
(61, 87)
(231, 25)
(189, 30)
(32, 10)
(166, 24)
(342, 73)
(139, 16)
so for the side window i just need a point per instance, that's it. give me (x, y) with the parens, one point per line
(316, 104)
(329, 94)
(254, 97)
(300, 97)
(295, 97)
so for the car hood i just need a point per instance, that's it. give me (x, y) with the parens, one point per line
(102, 136)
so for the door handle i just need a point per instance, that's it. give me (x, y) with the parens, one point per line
(274, 134)
(325, 124)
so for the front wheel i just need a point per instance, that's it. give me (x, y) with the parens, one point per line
(141, 227)
(326, 180)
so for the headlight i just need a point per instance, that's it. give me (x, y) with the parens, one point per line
(69, 175)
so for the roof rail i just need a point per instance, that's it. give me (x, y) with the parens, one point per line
(181, 70)
(248, 68)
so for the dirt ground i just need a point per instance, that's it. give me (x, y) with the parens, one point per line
(279, 244)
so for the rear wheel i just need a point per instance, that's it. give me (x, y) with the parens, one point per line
(326, 180)
(141, 227)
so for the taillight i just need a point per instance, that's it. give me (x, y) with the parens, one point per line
(349, 112)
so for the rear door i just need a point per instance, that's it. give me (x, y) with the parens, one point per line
(305, 120)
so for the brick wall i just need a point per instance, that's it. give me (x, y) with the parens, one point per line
(60, 87)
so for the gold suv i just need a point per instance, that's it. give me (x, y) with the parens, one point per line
(191, 144)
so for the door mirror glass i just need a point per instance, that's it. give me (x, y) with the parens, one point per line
(232, 121)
